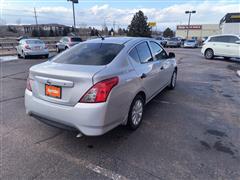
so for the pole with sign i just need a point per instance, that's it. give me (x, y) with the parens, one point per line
(74, 20)
(189, 19)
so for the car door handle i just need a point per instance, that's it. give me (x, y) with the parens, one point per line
(143, 76)
(227, 45)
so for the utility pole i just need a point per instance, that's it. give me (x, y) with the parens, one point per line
(36, 21)
(189, 19)
(35, 15)
(114, 23)
(74, 20)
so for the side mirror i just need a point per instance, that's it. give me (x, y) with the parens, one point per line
(237, 42)
(171, 55)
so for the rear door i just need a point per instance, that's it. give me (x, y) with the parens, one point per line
(166, 67)
(234, 48)
(220, 45)
(146, 68)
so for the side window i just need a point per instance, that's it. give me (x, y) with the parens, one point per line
(134, 54)
(214, 39)
(232, 39)
(144, 52)
(158, 51)
(224, 39)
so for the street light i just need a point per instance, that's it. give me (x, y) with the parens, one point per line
(73, 2)
(189, 19)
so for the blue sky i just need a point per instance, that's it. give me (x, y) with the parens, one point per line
(167, 13)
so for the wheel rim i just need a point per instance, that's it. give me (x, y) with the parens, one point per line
(209, 54)
(137, 112)
(174, 78)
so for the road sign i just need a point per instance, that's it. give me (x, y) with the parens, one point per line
(152, 24)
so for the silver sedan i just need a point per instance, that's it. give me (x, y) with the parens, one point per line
(100, 84)
(32, 47)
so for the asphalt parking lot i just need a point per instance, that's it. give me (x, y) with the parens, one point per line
(192, 132)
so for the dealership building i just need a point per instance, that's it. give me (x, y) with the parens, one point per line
(229, 24)
(197, 31)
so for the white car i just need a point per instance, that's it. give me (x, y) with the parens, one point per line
(31, 47)
(227, 46)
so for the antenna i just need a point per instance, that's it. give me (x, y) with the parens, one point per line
(99, 35)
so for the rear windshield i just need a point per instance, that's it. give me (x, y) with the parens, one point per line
(174, 39)
(75, 39)
(89, 54)
(34, 42)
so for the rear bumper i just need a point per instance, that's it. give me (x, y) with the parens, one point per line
(89, 119)
(189, 46)
(36, 53)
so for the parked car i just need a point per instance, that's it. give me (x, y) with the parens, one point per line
(161, 40)
(31, 47)
(226, 46)
(100, 84)
(67, 42)
(174, 42)
(190, 43)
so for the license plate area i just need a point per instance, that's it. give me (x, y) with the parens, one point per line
(53, 91)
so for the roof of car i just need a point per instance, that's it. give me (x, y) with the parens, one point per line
(116, 40)
(224, 35)
(31, 39)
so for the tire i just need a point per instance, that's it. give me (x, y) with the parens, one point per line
(135, 113)
(46, 56)
(66, 48)
(58, 50)
(19, 56)
(172, 84)
(24, 56)
(209, 54)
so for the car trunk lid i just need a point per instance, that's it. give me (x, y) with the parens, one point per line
(70, 81)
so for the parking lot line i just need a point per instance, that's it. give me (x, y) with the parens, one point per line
(90, 166)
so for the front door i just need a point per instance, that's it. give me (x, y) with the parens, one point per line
(146, 68)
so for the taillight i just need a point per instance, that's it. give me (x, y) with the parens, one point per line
(29, 87)
(27, 46)
(100, 91)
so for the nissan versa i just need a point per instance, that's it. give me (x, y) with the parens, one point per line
(100, 84)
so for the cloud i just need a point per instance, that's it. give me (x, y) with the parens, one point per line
(207, 12)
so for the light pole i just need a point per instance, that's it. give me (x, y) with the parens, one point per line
(73, 2)
(189, 19)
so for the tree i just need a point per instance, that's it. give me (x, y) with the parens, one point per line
(168, 33)
(111, 32)
(66, 30)
(35, 32)
(120, 31)
(139, 26)
(51, 32)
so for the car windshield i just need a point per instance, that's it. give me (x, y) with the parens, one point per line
(174, 39)
(34, 41)
(90, 54)
(190, 40)
(76, 39)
